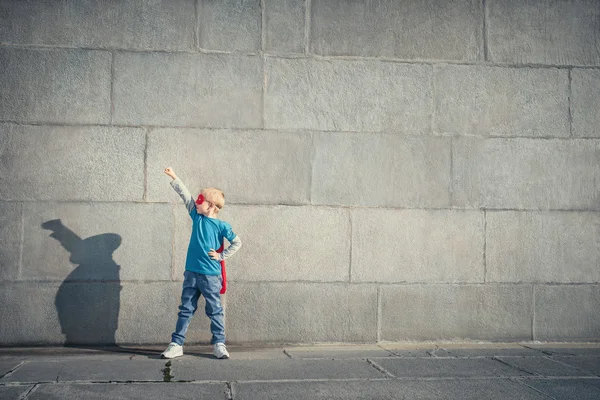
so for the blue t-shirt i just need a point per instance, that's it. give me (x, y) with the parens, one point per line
(207, 233)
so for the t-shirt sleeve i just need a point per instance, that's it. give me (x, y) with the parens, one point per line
(227, 232)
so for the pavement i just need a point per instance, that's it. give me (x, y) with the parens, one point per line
(376, 371)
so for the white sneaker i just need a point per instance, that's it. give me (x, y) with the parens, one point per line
(220, 351)
(172, 351)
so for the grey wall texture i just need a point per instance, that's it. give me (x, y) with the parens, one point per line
(397, 170)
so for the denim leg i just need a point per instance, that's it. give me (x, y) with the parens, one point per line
(189, 305)
(210, 288)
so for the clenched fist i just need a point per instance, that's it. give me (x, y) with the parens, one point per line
(169, 171)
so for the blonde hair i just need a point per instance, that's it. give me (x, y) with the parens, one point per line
(215, 196)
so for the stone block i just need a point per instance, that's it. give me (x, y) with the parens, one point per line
(149, 370)
(55, 86)
(585, 92)
(11, 237)
(417, 246)
(587, 364)
(267, 370)
(566, 312)
(230, 25)
(521, 173)
(35, 372)
(290, 244)
(97, 241)
(440, 312)
(176, 89)
(254, 167)
(567, 388)
(138, 24)
(447, 30)
(451, 389)
(284, 25)
(301, 312)
(154, 391)
(497, 101)
(407, 171)
(91, 163)
(344, 95)
(542, 366)
(447, 368)
(149, 314)
(14, 392)
(542, 247)
(29, 315)
(542, 32)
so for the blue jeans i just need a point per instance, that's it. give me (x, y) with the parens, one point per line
(208, 286)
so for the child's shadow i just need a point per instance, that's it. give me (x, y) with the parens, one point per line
(88, 300)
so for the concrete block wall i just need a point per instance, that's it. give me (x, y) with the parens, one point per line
(397, 170)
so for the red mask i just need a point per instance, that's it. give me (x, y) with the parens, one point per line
(200, 199)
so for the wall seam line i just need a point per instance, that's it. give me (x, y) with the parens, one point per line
(196, 25)
(378, 314)
(486, 54)
(146, 139)
(263, 32)
(307, 10)
(533, 294)
(484, 245)
(570, 101)
(112, 87)
(351, 246)
(21, 243)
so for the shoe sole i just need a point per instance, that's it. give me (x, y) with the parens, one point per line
(169, 358)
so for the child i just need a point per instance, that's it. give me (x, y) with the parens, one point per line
(202, 274)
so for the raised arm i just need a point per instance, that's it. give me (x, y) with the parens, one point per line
(180, 188)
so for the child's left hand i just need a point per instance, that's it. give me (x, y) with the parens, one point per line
(214, 255)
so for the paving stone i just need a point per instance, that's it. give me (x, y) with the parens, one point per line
(205, 369)
(72, 163)
(104, 371)
(585, 90)
(138, 24)
(499, 101)
(35, 371)
(569, 349)
(338, 353)
(542, 246)
(407, 172)
(328, 312)
(568, 389)
(284, 25)
(521, 173)
(57, 86)
(11, 215)
(229, 25)
(448, 312)
(559, 314)
(347, 95)
(447, 367)
(13, 392)
(97, 241)
(321, 255)
(387, 390)
(543, 366)
(589, 364)
(131, 391)
(251, 167)
(516, 352)
(449, 30)
(541, 32)
(417, 246)
(7, 364)
(202, 90)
